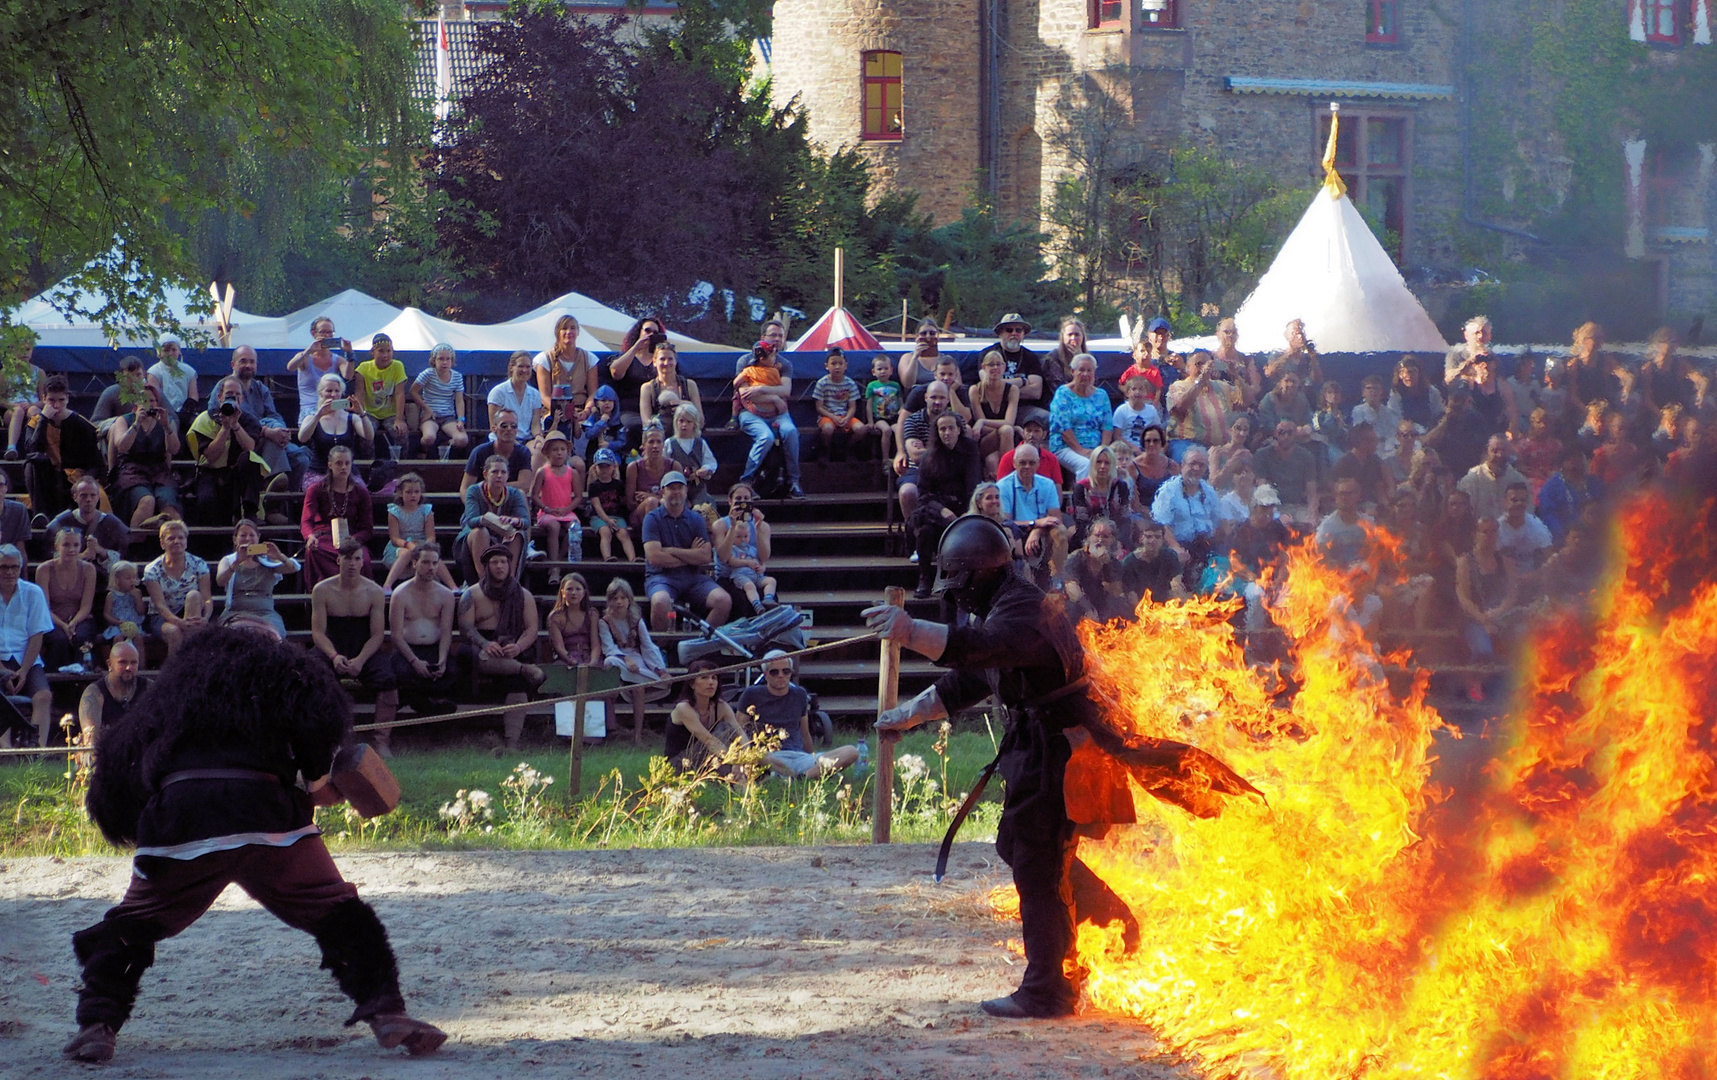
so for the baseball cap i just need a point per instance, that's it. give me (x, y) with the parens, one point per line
(606, 456)
(1265, 495)
(1158, 323)
(674, 477)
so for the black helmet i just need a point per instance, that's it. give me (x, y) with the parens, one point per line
(974, 542)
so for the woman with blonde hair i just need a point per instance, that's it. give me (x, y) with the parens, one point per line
(566, 377)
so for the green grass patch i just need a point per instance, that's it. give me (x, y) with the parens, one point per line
(470, 798)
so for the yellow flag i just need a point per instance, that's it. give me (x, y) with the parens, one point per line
(1332, 180)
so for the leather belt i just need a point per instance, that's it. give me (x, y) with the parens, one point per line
(219, 774)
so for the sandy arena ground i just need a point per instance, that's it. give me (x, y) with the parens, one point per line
(761, 963)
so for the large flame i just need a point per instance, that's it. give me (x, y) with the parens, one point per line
(1553, 917)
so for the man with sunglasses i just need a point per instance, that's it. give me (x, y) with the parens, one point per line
(504, 442)
(1022, 367)
(785, 706)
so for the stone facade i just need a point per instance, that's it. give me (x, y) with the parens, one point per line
(819, 61)
(1167, 85)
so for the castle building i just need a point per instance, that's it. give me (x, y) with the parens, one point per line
(954, 98)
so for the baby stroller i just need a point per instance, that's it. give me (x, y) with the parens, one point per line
(749, 639)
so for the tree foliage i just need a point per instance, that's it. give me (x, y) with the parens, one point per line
(128, 123)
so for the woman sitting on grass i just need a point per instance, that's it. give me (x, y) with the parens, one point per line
(702, 726)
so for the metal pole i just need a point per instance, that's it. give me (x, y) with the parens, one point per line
(887, 696)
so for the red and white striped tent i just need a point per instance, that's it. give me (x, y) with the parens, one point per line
(836, 328)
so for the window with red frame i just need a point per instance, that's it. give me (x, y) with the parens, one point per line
(1108, 14)
(882, 111)
(1373, 155)
(1660, 21)
(1160, 14)
(1381, 26)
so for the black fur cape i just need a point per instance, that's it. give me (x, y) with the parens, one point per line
(225, 688)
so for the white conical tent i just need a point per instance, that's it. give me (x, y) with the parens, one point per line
(417, 331)
(1332, 273)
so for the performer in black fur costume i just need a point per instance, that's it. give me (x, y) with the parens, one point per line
(202, 777)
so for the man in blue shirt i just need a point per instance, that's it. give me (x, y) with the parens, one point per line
(678, 556)
(1033, 503)
(24, 622)
(1186, 507)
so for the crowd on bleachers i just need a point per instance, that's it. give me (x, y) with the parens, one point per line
(1186, 474)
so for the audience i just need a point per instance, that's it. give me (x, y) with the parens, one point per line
(381, 382)
(762, 392)
(503, 443)
(1187, 507)
(174, 382)
(59, 447)
(427, 666)
(626, 643)
(1092, 577)
(1032, 503)
(571, 625)
(144, 446)
(669, 390)
(178, 587)
(784, 706)
(702, 727)
(498, 620)
(411, 524)
(995, 410)
(558, 494)
(348, 625)
(679, 558)
(882, 402)
(837, 398)
(105, 537)
(690, 453)
(606, 500)
(69, 584)
(225, 443)
(948, 471)
(279, 455)
(516, 395)
(567, 378)
(644, 475)
(250, 573)
(742, 548)
(630, 370)
(1021, 367)
(25, 623)
(337, 508)
(335, 419)
(1521, 536)
(1080, 418)
(1486, 482)
(496, 514)
(438, 393)
(125, 612)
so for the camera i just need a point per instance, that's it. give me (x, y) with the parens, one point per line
(656, 338)
(228, 409)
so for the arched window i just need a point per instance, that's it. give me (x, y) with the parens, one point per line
(1662, 23)
(882, 111)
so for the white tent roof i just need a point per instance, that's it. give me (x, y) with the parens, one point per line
(54, 327)
(606, 323)
(355, 315)
(413, 330)
(1333, 273)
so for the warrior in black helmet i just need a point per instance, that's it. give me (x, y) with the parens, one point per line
(1019, 645)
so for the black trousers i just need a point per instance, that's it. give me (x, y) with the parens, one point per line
(298, 885)
(1035, 839)
(50, 490)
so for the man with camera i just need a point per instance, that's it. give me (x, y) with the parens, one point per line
(279, 454)
(225, 443)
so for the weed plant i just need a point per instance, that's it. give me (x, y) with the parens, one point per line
(470, 799)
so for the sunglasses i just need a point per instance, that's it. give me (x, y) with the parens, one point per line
(778, 671)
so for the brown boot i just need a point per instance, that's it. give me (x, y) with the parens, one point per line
(94, 1043)
(398, 1029)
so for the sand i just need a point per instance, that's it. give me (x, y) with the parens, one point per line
(761, 963)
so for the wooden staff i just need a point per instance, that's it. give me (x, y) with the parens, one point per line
(887, 697)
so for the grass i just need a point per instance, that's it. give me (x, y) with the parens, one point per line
(468, 798)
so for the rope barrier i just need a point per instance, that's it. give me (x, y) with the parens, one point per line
(498, 710)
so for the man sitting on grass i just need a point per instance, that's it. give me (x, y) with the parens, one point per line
(780, 703)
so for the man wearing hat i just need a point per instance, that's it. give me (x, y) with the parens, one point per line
(678, 557)
(1022, 367)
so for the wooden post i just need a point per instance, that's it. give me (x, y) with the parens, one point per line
(903, 317)
(575, 764)
(840, 267)
(887, 697)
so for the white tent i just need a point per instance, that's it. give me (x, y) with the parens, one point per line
(54, 327)
(355, 315)
(1332, 273)
(415, 331)
(607, 324)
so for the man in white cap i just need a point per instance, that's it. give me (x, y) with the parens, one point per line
(678, 557)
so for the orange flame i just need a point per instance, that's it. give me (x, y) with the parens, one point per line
(1554, 918)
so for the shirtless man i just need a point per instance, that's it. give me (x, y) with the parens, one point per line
(498, 619)
(348, 623)
(425, 662)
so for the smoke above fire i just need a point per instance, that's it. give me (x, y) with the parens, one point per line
(1553, 917)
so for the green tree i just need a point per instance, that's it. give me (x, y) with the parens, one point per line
(129, 125)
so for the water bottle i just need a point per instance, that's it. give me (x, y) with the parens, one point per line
(88, 660)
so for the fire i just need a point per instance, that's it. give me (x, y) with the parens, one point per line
(1551, 916)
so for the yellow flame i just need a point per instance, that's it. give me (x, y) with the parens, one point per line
(1555, 918)
(1333, 183)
